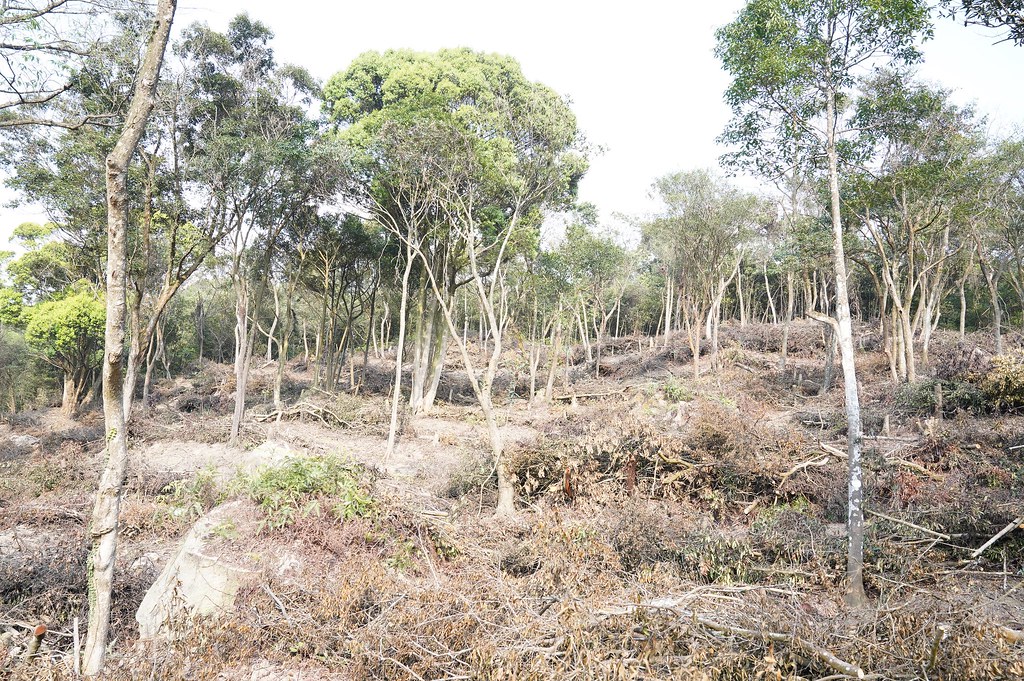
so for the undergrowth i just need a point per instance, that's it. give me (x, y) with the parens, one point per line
(307, 486)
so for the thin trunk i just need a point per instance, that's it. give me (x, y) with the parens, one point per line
(790, 305)
(396, 393)
(768, 292)
(963, 311)
(855, 496)
(104, 525)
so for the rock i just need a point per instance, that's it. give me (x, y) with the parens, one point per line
(24, 441)
(196, 581)
(267, 454)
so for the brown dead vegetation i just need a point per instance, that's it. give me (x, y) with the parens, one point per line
(671, 528)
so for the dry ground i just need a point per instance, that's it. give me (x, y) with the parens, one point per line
(669, 527)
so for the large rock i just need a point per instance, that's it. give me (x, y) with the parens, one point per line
(197, 581)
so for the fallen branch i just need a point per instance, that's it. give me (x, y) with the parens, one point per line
(1017, 522)
(581, 396)
(305, 409)
(906, 523)
(823, 461)
(834, 451)
(916, 467)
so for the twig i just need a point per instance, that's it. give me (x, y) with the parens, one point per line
(280, 605)
(916, 467)
(906, 523)
(573, 396)
(999, 535)
(823, 461)
(75, 651)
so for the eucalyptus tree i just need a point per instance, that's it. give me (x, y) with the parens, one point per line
(488, 99)
(700, 235)
(104, 526)
(596, 268)
(1007, 15)
(258, 161)
(47, 45)
(918, 149)
(464, 191)
(793, 65)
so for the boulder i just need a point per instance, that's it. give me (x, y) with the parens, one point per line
(197, 581)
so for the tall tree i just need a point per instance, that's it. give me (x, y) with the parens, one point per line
(104, 526)
(793, 65)
(699, 237)
(484, 95)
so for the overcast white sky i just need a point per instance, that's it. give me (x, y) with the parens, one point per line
(641, 75)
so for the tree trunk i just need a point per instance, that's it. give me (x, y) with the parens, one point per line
(104, 526)
(74, 388)
(855, 595)
(790, 304)
(396, 392)
(963, 311)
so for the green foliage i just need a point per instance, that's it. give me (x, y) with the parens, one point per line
(788, 57)
(10, 306)
(676, 391)
(305, 486)
(456, 147)
(957, 395)
(68, 332)
(190, 498)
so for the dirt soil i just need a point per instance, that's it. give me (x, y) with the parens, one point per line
(668, 527)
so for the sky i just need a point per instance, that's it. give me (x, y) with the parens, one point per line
(641, 76)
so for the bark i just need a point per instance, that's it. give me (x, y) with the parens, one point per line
(396, 393)
(74, 391)
(855, 595)
(790, 304)
(104, 526)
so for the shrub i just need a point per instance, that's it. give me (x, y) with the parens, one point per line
(1003, 384)
(675, 391)
(188, 499)
(957, 395)
(304, 486)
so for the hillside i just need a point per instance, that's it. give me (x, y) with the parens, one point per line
(667, 527)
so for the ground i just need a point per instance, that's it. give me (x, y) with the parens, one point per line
(668, 527)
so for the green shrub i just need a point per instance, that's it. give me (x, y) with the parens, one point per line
(675, 391)
(305, 486)
(919, 398)
(188, 499)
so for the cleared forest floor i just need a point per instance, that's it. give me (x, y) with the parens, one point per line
(669, 527)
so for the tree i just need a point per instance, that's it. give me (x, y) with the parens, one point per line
(104, 526)
(919, 150)
(485, 96)
(46, 47)
(476, 192)
(699, 238)
(793, 64)
(69, 334)
(260, 163)
(595, 266)
(999, 14)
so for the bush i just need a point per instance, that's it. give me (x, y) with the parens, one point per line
(304, 486)
(676, 391)
(957, 395)
(1003, 384)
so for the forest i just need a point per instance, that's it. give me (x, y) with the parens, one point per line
(343, 380)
